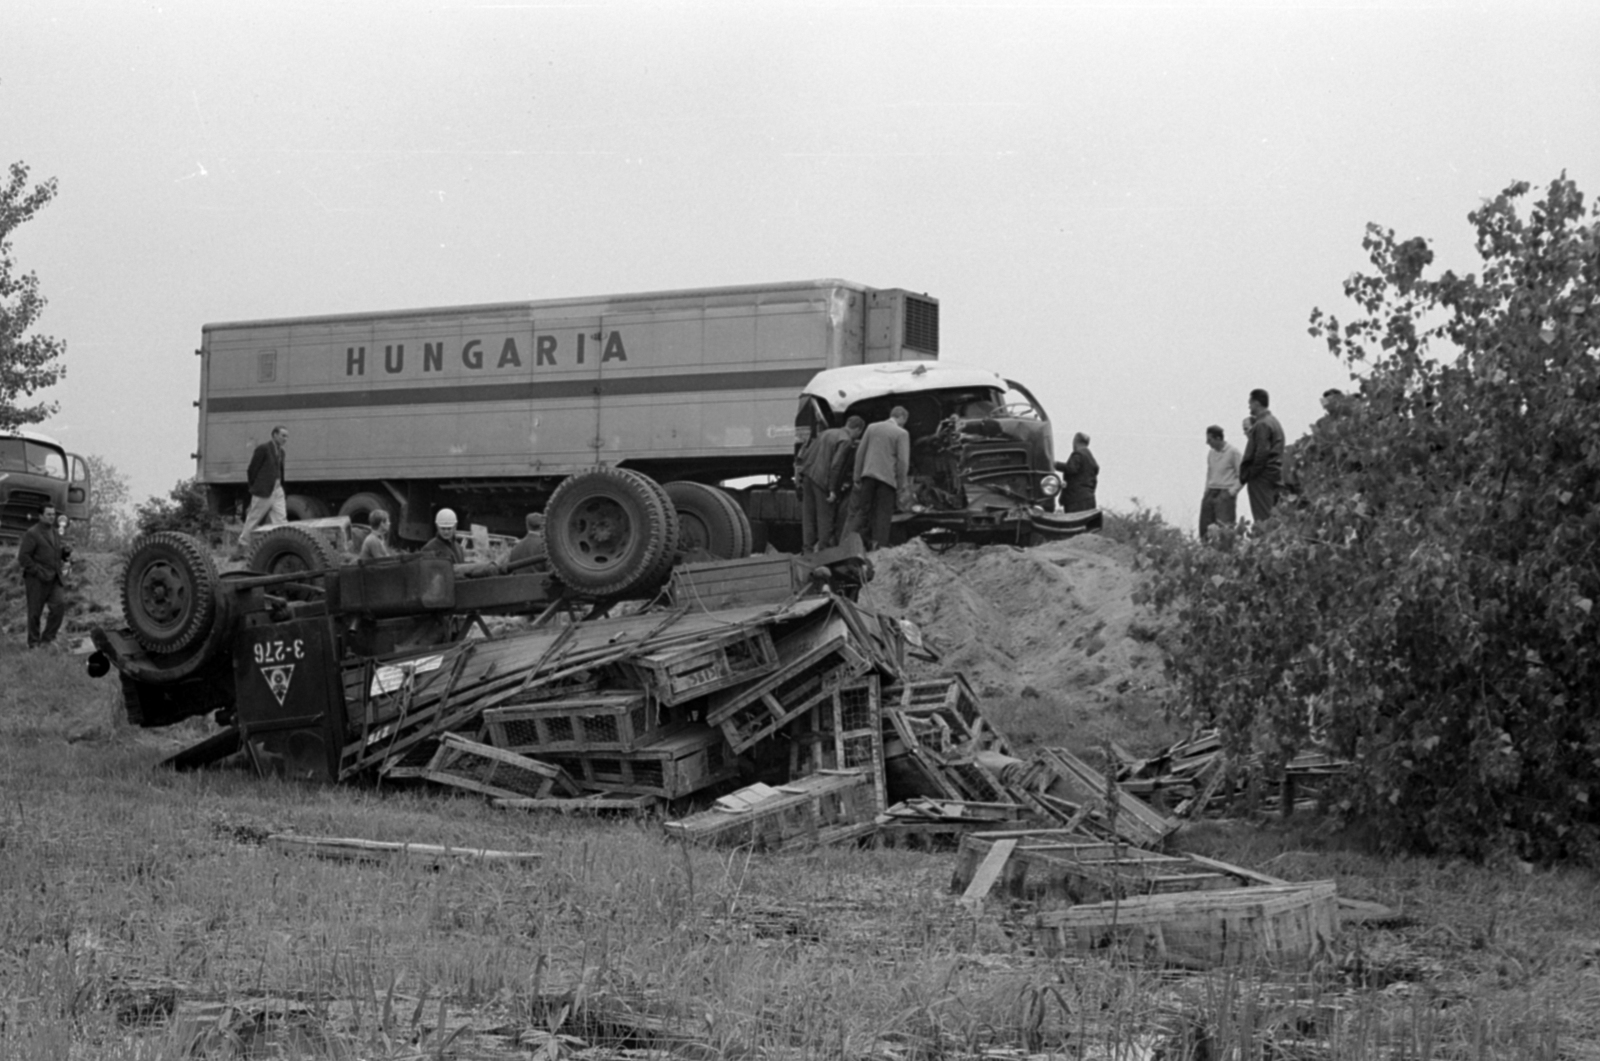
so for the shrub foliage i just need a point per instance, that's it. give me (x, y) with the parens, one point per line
(1427, 605)
(183, 509)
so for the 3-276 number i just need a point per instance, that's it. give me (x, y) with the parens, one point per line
(276, 651)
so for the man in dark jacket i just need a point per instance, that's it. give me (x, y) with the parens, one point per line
(42, 555)
(1261, 470)
(1080, 475)
(265, 476)
(820, 473)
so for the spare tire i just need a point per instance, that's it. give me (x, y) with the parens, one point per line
(360, 507)
(710, 520)
(286, 548)
(304, 506)
(610, 533)
(169, 591)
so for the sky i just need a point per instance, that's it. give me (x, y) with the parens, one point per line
(1132, 208)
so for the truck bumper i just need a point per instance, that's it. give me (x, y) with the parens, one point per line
(1018, 526)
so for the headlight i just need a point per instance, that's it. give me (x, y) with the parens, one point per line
(1050, 485)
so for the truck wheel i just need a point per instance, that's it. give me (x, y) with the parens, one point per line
(287, 548)
(360, 508)
(608, 532)
(710, 520)
(169, 591)
(303, 506)
(674, 533)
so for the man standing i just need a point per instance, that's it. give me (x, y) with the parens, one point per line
(265, 476)
(883, 463)
(1261, 469)
(1220, 503)
(43, 558)
(821, 469)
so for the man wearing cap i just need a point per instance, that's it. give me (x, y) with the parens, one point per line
(265, 476)
(530, 549)
(443, 543)
(42, 555)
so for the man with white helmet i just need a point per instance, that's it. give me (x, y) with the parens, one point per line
(443, 542)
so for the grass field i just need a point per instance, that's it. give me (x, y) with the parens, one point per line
(142, 916)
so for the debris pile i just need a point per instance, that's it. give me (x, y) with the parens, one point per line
(1195, 777)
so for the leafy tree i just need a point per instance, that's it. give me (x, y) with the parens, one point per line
(183, 509)
(110, 525)
(1428, 607)
(26, 364)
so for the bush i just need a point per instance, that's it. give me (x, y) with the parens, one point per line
(1428, 606)
(184, 509)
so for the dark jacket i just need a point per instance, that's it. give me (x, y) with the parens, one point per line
(1080, 475)
(266, 469)
(42, 554)
(437, 546)
(1263, 454)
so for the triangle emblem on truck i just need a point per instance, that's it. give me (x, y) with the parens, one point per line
(278, 679)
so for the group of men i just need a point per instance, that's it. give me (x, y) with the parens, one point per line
(1258, 471)
(850, 479)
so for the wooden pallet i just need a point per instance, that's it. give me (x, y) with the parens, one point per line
(1060, 866)
(1288, 923)
(684, 672)
(463, 763)
(685, 762)
(616, 722)
(801, 813)
(1073, 779)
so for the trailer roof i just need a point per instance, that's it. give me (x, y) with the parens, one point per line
(534, 305)
(843, 387)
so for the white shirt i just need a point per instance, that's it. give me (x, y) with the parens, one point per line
(1222, 468)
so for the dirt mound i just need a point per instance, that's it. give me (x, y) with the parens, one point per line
(1056, 624)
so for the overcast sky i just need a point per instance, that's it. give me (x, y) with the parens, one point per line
(1131, 207)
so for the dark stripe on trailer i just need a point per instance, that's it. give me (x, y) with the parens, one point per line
(791, 379)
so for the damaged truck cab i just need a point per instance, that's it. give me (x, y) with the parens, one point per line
(982, 457)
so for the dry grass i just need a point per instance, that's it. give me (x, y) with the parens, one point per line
(144, 919)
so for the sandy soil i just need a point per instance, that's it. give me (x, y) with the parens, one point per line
(1057, 619)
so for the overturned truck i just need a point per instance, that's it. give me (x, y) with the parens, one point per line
(306, 659)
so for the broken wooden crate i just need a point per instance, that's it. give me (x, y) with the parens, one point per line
(925, 822)
(463, 763)
(687, 761)
(1068, 866)
(826, 807)
(684, 672)
(609, 722)
(1281, 923)
(843, 732)
(812, 662)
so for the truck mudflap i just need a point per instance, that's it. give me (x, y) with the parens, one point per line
(1015, 526)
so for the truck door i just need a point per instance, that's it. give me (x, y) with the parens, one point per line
(78, 487)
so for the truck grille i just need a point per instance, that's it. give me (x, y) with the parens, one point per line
(922, 324)
(20, 510)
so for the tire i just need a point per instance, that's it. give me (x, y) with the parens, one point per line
(710, 520)
(361, 506)
(287, 548)
(303, 506)
(609, 533)
(169, 591)
(674, 532)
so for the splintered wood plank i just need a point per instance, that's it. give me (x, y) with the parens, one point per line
(989, 870)
(351, 849)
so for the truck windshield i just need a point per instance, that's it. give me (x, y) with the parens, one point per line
(34, 458)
